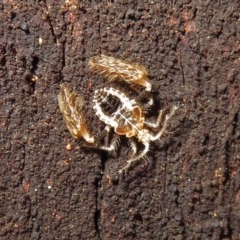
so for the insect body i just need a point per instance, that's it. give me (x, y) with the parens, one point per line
(124, 115)
(116, 110)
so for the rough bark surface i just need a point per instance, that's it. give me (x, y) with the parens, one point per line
(191, 187)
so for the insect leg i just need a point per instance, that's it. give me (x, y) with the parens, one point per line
(102, 134)
(164, 120)
(133, 146)
(135, 159)
(159, 120)
(113, 146)
(144, 95)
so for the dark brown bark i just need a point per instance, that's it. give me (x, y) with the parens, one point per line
(190, 189)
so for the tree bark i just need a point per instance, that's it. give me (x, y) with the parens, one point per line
(51, 188)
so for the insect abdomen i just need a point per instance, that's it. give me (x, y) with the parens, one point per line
(107, 102)
(115, 109)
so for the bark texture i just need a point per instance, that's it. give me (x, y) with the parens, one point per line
(191, 187)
